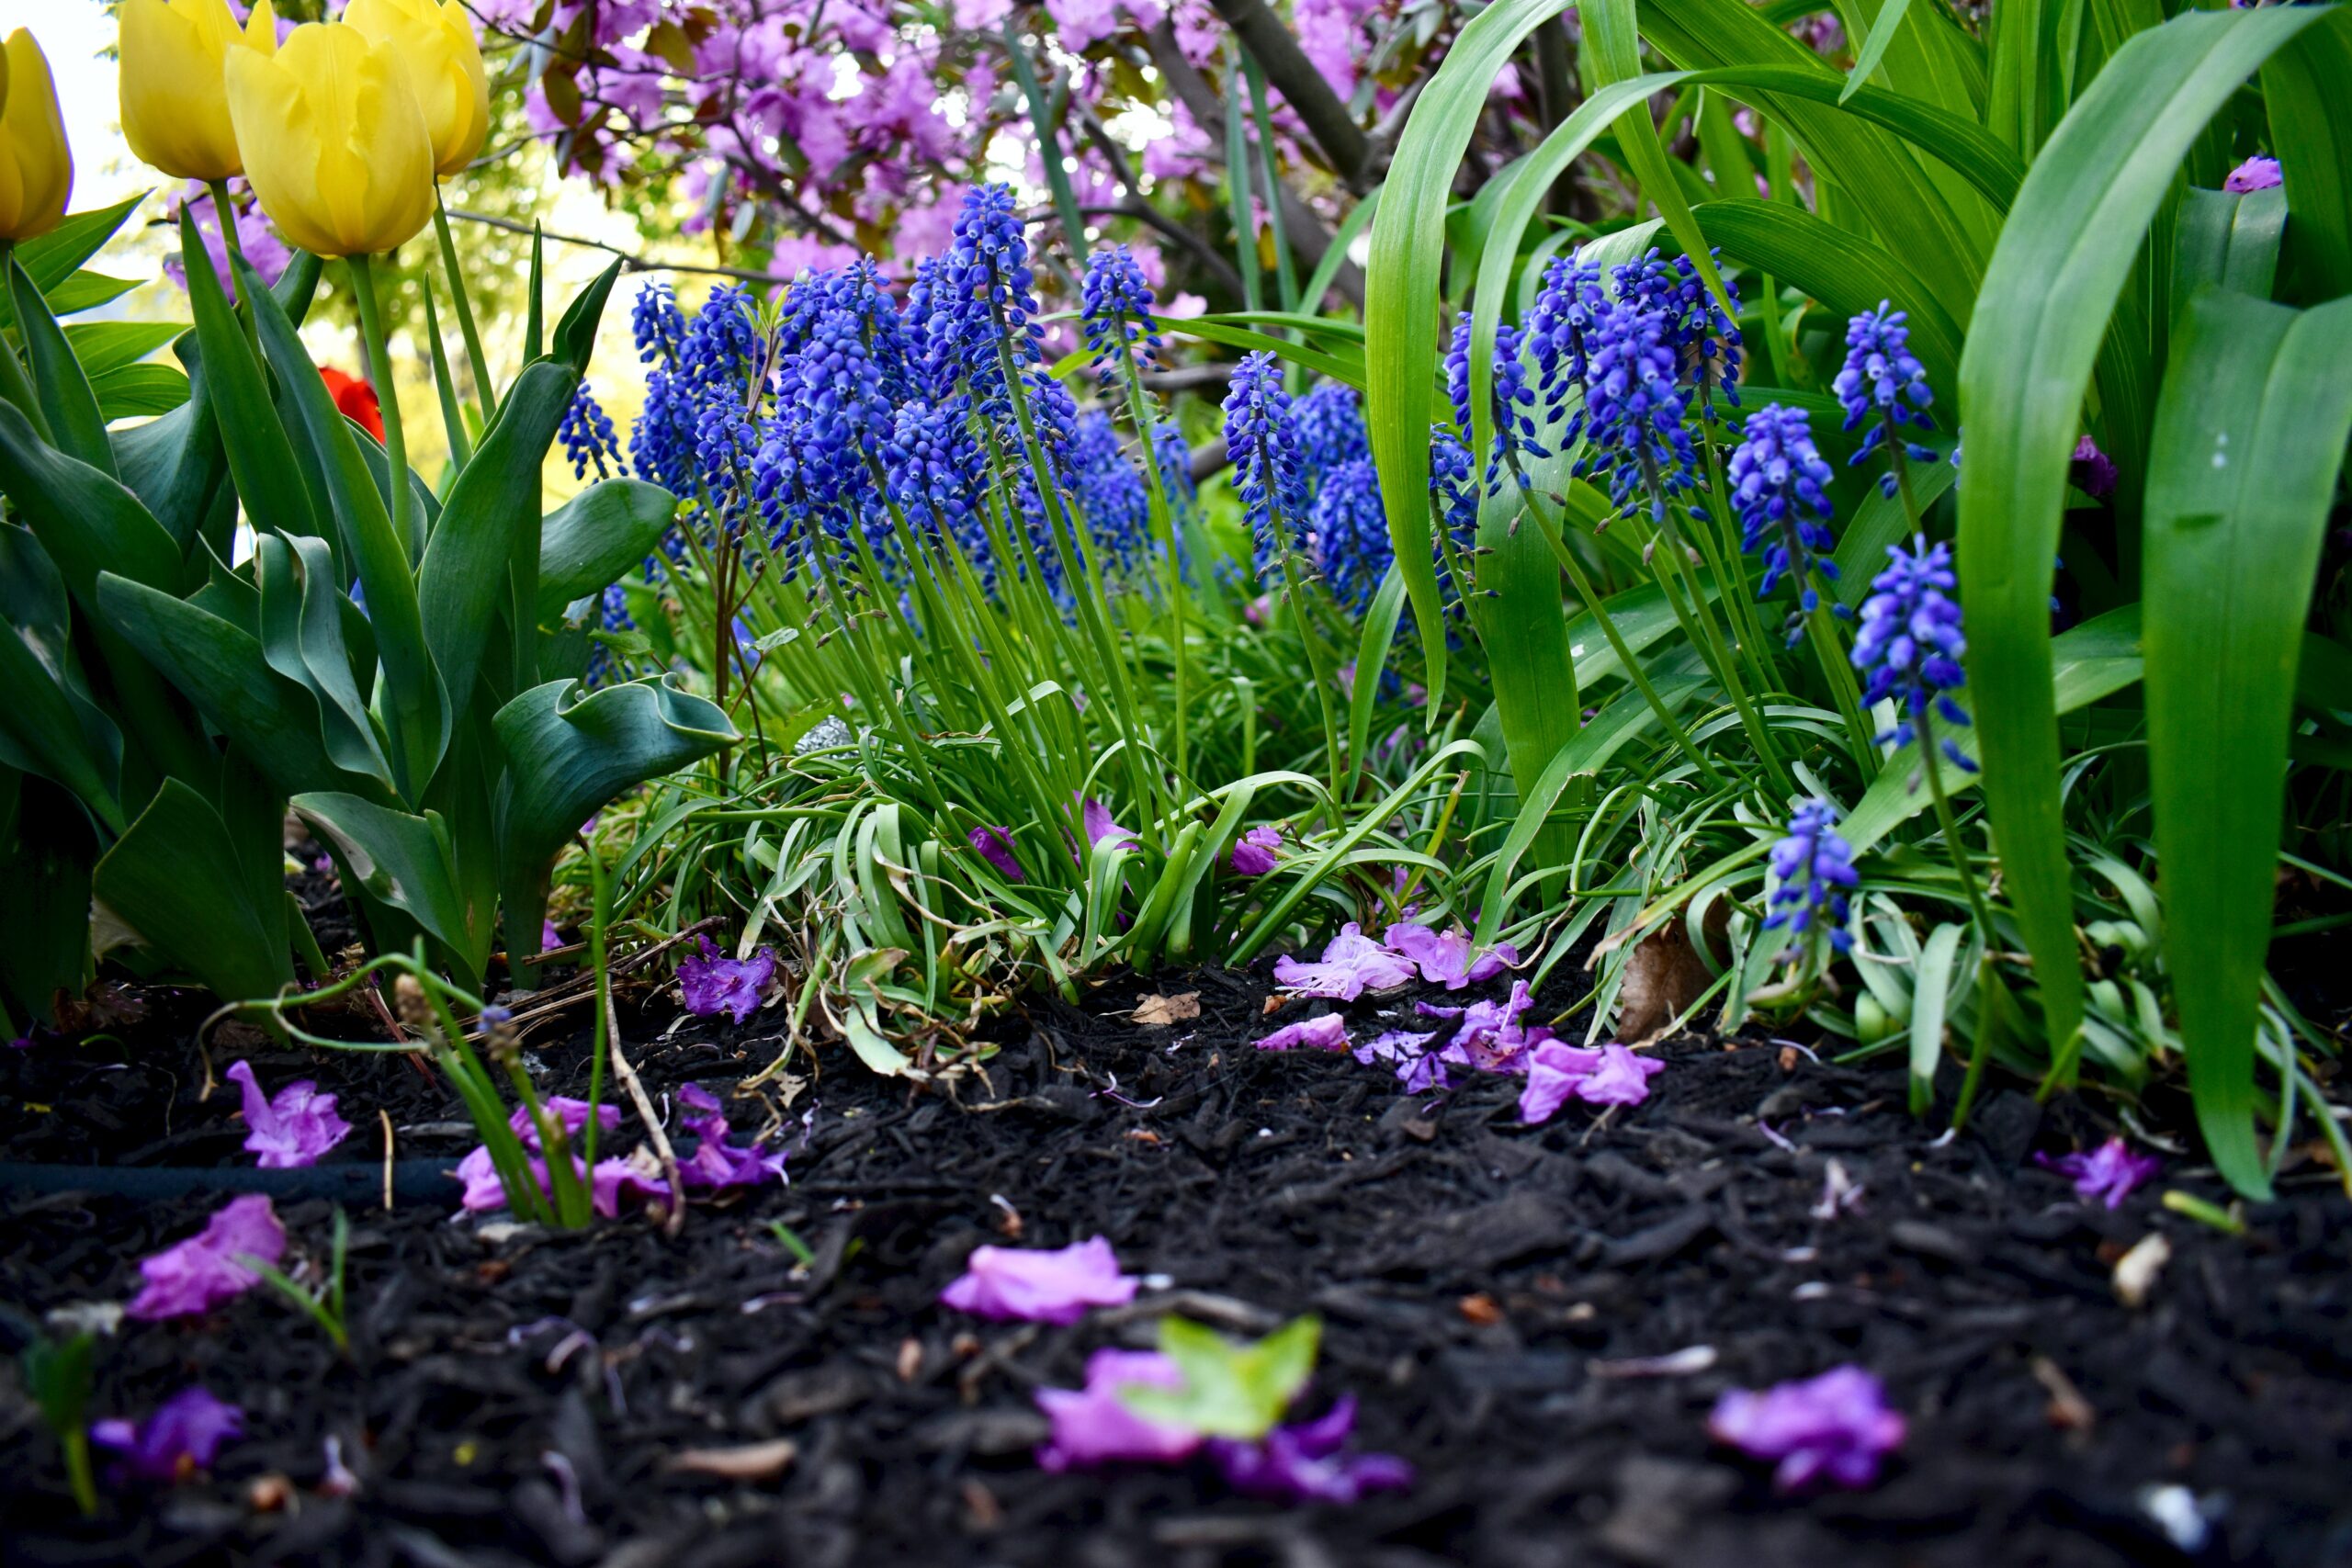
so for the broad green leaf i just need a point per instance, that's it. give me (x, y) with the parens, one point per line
(301, 626)
(50, 725)
(597, 536)
(2250, 434)
(1881, 521)
(221, 669)
(2048, 290)
(494, 503)
(575, 334)
(401, 861)
(55, 256)
(139, 389)
(1339, 365)
(178, 881)
(1931, 996)
(1612, 54)
(67, 405)
(101, 346)
(86, 520)
(1230, 1391)
(569, 751)
(415, 704)
(1372, 645)
(259, 449)
(2304, 87)
(1875, 46)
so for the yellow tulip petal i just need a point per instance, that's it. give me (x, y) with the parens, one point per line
(175, 107)
(41, 164)
(335, 145)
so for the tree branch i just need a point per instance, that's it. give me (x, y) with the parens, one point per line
(630, 260)
(1301, 86)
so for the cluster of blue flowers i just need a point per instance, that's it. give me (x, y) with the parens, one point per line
(854, 429)
(1261, 441)
(1883, 383)
(1909, 645)
(1814, 868)
(588, 437)
(1776, 478)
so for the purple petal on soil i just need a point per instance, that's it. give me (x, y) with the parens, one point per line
(1253, 852)
(1444, 957)
(549, 938)
(293, 1129)
(2257, 173)
(573, 1113)
(1491, 1037)
(995, 845)
(174, 1443)
(1329, 1033)
(1353, 964)
(712, 984)
(1419, 1068)
(199, 1274)
(1041, 1287)
(1553, 1073)
(1304, 1463)
(1835, 1427)
(608, 1183)
(1092, 1427)
(716, 1162)
(1622, 1077)
(2109, 1173)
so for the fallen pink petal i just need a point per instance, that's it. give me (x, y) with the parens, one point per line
(1093, 1426)
(200, 1273)
(1836, 1428)
(1329, 1033)
(995, 846)
(174, 1443)
(293, 1127)
(1309, 1463)
(712, 984)
(1351, 964)
(2107, 1174)
(1255, 852)
(1060, 1286)
(717, 1162)
(1446, 958)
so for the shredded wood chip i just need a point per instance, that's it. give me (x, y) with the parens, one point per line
(752, 1461)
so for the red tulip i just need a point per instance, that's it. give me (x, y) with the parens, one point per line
(356, 400)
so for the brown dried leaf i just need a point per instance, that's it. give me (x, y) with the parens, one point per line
(752, 1462)
(1663, 976)
(1160, 1012)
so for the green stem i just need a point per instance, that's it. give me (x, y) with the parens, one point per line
(1731, 579)
(224, 213)
(464, 305)
(1987, 981)
(77, 1444)
(1700, 628)
(1821, 629)
(372, 327)
(1139, 411)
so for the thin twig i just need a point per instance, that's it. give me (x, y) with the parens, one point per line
(631, 260)
(644, 1114)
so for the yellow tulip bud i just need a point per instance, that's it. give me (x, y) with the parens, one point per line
(36, 166)
(436, 43)
(334, 144)
(175, 104)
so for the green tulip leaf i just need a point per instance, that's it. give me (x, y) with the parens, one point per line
(175, 881)
(592, 539)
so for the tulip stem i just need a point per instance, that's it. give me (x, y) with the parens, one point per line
(224, 213)
(463, 305)
(371, 330)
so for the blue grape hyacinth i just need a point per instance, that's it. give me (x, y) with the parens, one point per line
(1704, 339)
(1332, 430)
(1350, 527)
(1882, 381)
(1261, 439)
(1511, 401)
(1559, 335)
(1776, 478)
(1117, 310)
(1910, 646)
(1815, 866)
(588, 437)
(1634, 406)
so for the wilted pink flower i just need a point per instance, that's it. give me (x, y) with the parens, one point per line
(1329, 1033)
(1041, 1287)
(1558, 1073)
(716, 1162)
(295, 1128)
(2257, 173)
(1444, 957)
(995, 845)
(201, 1273)
(572, 1113)
(2092, 470)
(1835, 1427)
(1492, 1037)
(176, 1442)
(549, 938)
(1419, 1068)
(606, 1183)
(1303, 1464)
(712, 984)
(1353, 964)
(2107, 1173)
(1092, 1427)
(1253, 852)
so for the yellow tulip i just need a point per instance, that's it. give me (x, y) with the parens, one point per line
(334, 144)
(174, 107)
(36, 166)
(436, 43)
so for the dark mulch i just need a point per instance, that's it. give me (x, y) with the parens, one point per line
(522, 1397)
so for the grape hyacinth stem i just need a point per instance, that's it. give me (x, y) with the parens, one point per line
(1699, 626)
(1748, 627)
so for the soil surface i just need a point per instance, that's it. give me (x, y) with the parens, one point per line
(1489, 1293)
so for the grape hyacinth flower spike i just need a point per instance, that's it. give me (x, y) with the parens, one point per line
(1815, 866)
(1776, 478)
(1909, 645)
(1634, 407)
(1117, 312)
(1883, 382)
(1510, 405)
(1261, 438)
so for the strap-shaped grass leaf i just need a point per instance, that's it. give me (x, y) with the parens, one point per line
(2048, 290)
(177, 880)
(2224, 239)
(2250, 433)
(1931, 996)
(2303, 86)
(1875, 46)
(595, 537)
